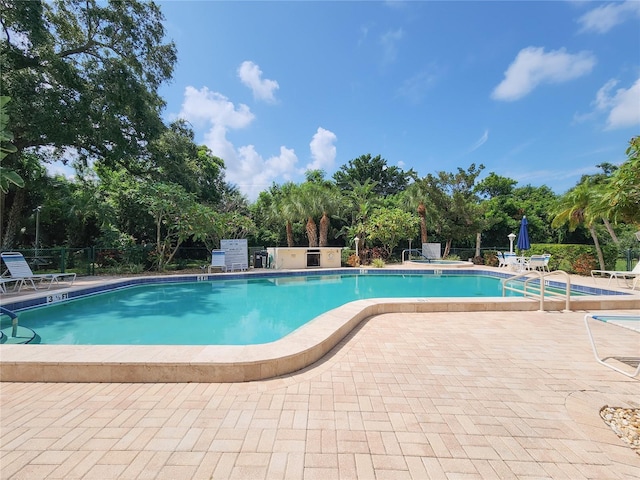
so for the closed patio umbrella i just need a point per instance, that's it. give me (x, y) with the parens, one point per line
(523, 235)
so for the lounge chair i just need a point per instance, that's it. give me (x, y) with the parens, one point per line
(501, 261)
(631, 322)
(620, 274)
(513, 262)
(538, 262)
(218, 260)
(5, 281)
(20, 272)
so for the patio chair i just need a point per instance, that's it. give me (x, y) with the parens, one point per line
(501, 260)
(620, 274)
(20, 272)
(512, 261)
(218, 260)
(538, 262)
(631, 322)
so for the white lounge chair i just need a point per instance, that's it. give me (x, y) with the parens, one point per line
(538, 262)
(20, 272)
(501, 261)
(620, 275)
(5, 281)
(218, 260)
(513, 262)
(631, 322)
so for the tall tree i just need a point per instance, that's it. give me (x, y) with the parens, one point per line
(7, 176)
(622, 196)
(389, 179)
(417, 198)
(309, 206)
(361, 200)
(84, 76)
(576, 207)
(454, 204)
(175, 157)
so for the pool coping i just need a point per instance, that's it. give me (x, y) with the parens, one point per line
(236, 363)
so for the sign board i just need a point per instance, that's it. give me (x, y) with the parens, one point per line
(431, 251)
(236, 253)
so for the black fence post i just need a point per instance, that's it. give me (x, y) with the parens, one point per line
(91, 257)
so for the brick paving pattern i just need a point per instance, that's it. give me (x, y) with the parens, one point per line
(405, 396)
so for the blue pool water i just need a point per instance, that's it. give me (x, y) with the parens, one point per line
(229, 312)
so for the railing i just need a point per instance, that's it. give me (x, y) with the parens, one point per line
(14, 320)
(529, 289)
(418, 253)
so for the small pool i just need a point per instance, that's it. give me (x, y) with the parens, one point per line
(243, 311)
(439, 262)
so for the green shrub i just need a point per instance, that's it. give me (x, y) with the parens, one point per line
(573, 258)
(490, 259)
(345, 255)
(377, 263)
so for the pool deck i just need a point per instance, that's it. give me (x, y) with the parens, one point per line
(445, 394)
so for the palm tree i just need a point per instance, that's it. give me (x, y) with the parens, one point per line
(331, 202)
(622, 194)
(308, 205)
(285, 208)
(361, 199)
(576, 207)
(416, 197)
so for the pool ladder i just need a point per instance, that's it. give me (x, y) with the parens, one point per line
(533, 286)
(18, 334)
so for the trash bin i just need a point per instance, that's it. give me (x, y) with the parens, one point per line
(260, 259)
(257, 260)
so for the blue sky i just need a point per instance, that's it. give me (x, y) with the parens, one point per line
(540, 92)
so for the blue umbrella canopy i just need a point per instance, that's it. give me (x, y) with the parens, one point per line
(523, 235)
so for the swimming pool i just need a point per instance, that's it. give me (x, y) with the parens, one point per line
(239, 363)
(244, 311)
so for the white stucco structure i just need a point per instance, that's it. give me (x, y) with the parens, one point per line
(304, 257)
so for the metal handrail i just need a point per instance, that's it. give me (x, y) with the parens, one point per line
(14, 320)
(540, 292)
(417, 252)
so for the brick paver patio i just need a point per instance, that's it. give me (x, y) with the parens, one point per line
(404, 396)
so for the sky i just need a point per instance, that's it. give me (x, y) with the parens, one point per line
(539, 92)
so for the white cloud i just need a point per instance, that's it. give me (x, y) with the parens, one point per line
(60, 168)
(251, 76)
(363, 34)
(323, 150)
(533, 66)
(605, 17)
(415, 88)
(203, 107)
(283, 165)
(389, 45)
(623, 105)
(245, 167)
(481, 141)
